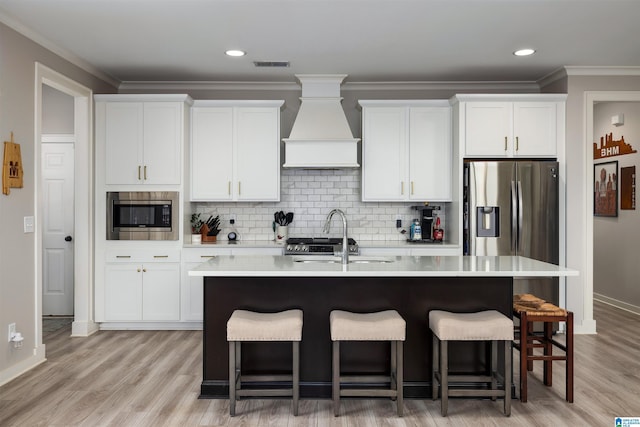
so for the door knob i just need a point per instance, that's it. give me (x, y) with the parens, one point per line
(68, 239)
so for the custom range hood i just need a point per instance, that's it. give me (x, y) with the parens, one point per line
(321, 137)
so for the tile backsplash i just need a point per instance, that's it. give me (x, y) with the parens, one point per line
(310, 195)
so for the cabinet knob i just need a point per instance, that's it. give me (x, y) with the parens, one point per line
(68, 239)
(138, 270)
(144, 270)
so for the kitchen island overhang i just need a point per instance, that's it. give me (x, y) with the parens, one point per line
(411, 285)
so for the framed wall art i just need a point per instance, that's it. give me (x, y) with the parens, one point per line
(11, 166)
(605, 189)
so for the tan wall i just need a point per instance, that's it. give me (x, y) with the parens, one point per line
(17, 258)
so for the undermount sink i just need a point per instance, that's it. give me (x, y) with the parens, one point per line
(323, 259)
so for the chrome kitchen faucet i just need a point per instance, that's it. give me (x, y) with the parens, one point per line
(345, 239)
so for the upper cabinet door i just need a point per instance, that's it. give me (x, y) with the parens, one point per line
(257, 155)
(488, 129)
(534, 129)
(163, 130)
(211, 153)
(384, 134)
(235, 151)
(143, 142)
(430, 154)
(123, 138)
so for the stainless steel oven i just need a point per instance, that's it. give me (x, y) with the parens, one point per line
(142, 215)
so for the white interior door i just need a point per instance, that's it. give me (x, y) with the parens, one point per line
(57, 235)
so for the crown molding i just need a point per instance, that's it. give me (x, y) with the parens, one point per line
(61, 52)
(603, 71)
(206, 85)
(462, 86)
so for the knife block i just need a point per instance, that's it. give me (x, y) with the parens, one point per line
(207, 239)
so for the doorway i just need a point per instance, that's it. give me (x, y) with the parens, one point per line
(82, 206)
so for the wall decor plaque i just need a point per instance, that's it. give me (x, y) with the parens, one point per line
(605, 189)
(628, 188)
(11, 166)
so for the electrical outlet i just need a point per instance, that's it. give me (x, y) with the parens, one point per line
(232, 217)
(12, 331)
(398, 223)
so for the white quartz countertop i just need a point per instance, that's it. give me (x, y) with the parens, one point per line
(363, 266)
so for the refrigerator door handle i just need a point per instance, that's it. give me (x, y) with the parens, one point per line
(520, 219)
(514, 217)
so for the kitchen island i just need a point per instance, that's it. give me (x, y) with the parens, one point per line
(318, 284)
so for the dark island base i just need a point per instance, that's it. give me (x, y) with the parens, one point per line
(412, 297)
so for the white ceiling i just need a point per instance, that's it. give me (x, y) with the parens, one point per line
(370, 40)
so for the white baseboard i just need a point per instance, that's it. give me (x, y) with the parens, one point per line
(27, 364)
(84, 329)
(616, 303)
(151, 326)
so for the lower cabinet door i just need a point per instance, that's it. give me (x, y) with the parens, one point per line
(123, 292)
(192, 294)
(161, 291)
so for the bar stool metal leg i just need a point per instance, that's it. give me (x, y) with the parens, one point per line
(232, 378)
(508, 354)
(444, 377)
(400, 377)
(435, 367)
(296, 376)
(336, 378)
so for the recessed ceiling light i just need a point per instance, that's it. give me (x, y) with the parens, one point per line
(235, 52)
(524, 52)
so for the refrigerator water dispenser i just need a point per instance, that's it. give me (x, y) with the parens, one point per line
(488, 221)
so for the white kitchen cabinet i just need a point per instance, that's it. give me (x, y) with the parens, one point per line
(406, 151)
(141, 137)
(192, 286)
(141, 286)
(235, 151)
(495, 126)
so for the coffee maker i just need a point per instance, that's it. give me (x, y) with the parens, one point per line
(426, 218)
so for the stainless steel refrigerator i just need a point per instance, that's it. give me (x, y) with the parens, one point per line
(511, 208)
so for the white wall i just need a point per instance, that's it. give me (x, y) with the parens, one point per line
(615, 239)
(57, 112)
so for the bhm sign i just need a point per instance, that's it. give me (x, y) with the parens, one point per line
(609, 147)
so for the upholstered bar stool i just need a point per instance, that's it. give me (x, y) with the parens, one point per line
(491, 326)
(245, 326)
(381, 326)
(531, 309)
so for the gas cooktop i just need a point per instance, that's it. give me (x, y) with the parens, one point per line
(318, 246)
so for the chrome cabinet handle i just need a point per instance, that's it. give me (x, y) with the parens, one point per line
(517, 144)
(145, 172)
(412, 188)
(139, 167)
(402, 188)
(229, 188)
(239, 191)
(161, 256)
(505, 143)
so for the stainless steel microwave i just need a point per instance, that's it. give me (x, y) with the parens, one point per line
(142, 215)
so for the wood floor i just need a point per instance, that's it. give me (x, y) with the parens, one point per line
(152, 378)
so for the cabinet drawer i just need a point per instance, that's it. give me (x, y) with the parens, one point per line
(201, 255)
(138, 255)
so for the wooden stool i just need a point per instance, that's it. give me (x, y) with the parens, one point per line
(530, 309)
(381, 326)
(488, 325)
(246, 325)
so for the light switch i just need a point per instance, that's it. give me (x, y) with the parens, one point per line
(28, 224)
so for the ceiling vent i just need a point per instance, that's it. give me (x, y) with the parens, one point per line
(271, 64)
(321, 137)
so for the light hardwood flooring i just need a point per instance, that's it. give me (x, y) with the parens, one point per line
(152, 378)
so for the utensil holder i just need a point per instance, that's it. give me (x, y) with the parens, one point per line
(282, 233)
